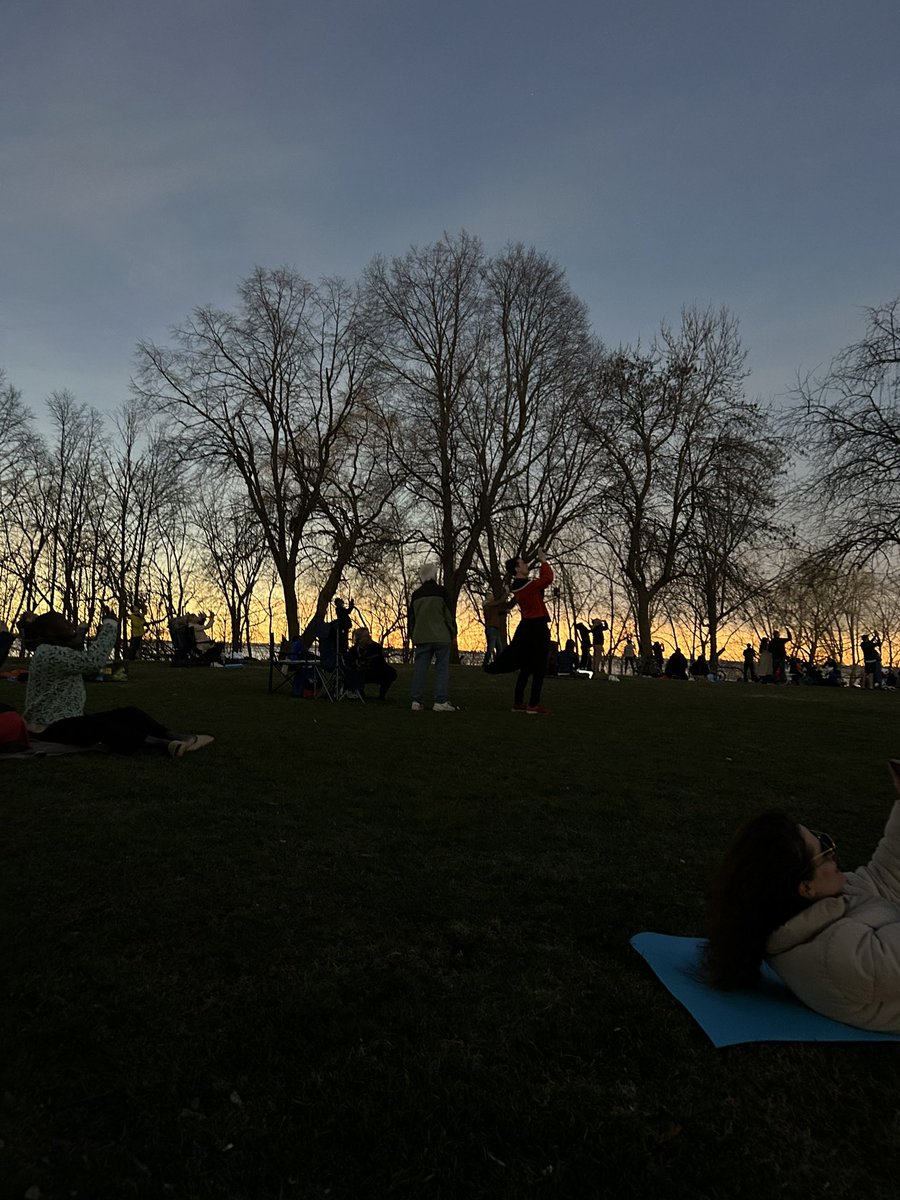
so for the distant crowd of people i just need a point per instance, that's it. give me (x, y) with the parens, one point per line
(54, 707)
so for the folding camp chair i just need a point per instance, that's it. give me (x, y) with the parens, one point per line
(290, 667)
(335, 679)
(184, 646)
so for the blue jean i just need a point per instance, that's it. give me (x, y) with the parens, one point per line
(440, 651)
(494, 636)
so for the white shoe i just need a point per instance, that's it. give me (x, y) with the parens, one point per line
(416, 706)
(196, 741)
(445, 706)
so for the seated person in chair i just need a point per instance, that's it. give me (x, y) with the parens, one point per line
(209, 651)
(367, 656)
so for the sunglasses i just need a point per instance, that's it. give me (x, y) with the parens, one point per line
(828, 847)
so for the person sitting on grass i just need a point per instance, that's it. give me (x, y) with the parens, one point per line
(367, 656)
(700, 667)
(677, 666)
(567, 659)
(833, 938)
(54, 702)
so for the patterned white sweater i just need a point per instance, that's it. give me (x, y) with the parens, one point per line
(55, 683)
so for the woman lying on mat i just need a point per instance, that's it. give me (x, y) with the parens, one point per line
(834, 938)
(54, 702)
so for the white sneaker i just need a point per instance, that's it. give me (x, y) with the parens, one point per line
(416, 706)
(445, 706)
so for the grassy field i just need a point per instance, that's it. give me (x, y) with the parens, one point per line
(358, 952)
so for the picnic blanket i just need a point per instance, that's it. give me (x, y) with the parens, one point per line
(767, 1013)
(40, 749)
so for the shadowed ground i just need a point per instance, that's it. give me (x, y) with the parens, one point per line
(361, 952)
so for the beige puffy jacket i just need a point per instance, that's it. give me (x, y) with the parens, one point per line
(841, 955)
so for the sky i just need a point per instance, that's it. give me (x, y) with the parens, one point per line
(664, 153)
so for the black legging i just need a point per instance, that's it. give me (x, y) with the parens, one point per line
(122, 729)
(527, 653)
(381, 673)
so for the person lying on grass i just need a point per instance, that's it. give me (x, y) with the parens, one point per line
(834, 938)
(54, 702)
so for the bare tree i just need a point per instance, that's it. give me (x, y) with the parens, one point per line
(656, 420)
(268, 390)
(23, 503)
(733, 528)
(850, 428)
(487, 359)
(74, 471)
(234, 555)
(141, 483)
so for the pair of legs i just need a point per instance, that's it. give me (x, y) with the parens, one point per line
(527, 653)
(534, 636)
(494, 639)
(123, 730)
(384, 675)
(424, 653)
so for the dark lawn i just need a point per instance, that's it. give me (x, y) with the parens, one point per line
(361, 952)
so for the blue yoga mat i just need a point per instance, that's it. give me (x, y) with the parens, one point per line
(769, 1013)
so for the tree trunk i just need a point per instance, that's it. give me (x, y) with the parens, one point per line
(287, 573)
(642, 599)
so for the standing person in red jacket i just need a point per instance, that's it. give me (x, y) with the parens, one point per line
(530, 645)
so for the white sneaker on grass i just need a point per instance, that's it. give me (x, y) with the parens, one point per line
(445, 706)
(416, 706)
(195, 741)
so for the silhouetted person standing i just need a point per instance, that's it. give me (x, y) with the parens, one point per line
(749, 663)
(344, 625)
(584, 641)
(778, 650)
(598, 637)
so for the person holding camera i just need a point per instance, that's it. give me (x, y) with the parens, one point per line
(209, 650)
(871, 652)
(55, 699)
(530, 646)
(344, 625)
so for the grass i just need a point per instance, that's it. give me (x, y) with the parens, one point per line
(361, 952)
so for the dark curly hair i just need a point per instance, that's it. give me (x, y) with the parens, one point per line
(50, 627)
(754, 892)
